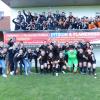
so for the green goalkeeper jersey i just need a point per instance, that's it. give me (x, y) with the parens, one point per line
(71, 54)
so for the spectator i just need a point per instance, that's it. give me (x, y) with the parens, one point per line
(29, 16)
(92, 25)
(35, 17)
(60, 24)
(16, 21)
(98, 22)
(50, 16)
(50, 24)
(54, 21)
(70, 16)
(31, 26)
(24, 25)
(20, 16)
(57, 15)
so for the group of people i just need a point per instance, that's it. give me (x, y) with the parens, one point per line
(54, 21)
(52, 57)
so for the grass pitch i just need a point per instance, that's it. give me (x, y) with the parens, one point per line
(47, 87)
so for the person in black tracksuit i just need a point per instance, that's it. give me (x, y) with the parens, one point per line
(11, 52)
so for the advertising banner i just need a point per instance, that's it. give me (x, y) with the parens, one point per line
(38, 38)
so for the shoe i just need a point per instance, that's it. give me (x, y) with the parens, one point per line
(4, 75)
(26, 74)
(12, 73)
(63, 72)
(82, 73)
(56, 74)
(94, 74)
(30, 72)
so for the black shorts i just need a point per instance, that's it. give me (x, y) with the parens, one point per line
(43, 62)
(94, 62)
(61, 64)
(55, 58)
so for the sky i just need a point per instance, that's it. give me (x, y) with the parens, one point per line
(5, 8)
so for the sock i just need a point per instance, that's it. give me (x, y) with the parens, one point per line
(53, 70)
(45, 70)
(75, 69)
(89, 70)
(85, 70)
(81, 69)
(94, 70)
(41, 71)
(57, 70)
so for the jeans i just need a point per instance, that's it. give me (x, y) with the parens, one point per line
(16, 65)
(3, 65)
(30, 65)
(26, 65)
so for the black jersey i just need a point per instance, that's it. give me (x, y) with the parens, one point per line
(56, 52)
(18, 57)
(65, 47)
(30, 56)
(44, 47)
(36, 54)
(43, 59)
(80, 56)
(50, 60)
(61, 61)
(85, 56)
(91, 58)
(12, 52)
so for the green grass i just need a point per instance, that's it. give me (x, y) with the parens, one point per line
(48, 87)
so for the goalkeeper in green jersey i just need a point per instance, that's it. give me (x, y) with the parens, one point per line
(72, 58)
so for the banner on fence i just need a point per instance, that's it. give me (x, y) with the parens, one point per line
(38, 38)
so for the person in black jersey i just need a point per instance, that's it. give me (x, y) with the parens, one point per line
(85, 58)
(36, 56)
(62, 63)
(91, 62)
(55, 58)
(76, 45)
(44, 46)
(80, 59)
(50, 62)
(43, 62)
(65, 46)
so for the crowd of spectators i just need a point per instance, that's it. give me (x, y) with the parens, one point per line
(54, 21)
